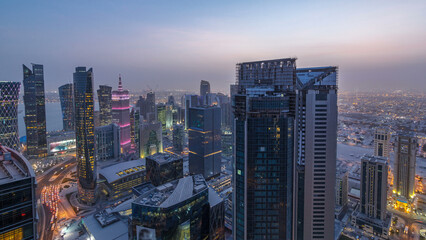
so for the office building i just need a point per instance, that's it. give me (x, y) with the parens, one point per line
(85, 135)
(175, 210)
(61, 142)
(66, 96)
(316, 152)
(171, 100)
(151, 139)
(189, 101)
(35, 111)
(381, 142)
(9, 98)
(147, 106)
(178, 138)
(216, 216)
(105, 104)
(204, 141)
(341, 195)
(121, 115)
(405, 165)
(107, 142)
(163, 168)
(117, 181)
(17, 196)
(371, 215)
(134, 130)
(204, 88)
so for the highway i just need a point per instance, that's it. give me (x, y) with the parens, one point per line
(44, 226)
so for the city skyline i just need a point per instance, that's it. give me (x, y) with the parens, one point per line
(372, 43)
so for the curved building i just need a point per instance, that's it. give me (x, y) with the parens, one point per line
(121, 115)
(85, 134)
(17, 196)
(9, 97)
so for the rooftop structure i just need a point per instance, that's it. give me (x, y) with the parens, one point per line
(123, 169)
(105, 226)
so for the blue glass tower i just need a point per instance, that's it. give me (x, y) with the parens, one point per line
(67, 106)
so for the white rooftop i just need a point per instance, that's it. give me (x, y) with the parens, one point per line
(115, 231)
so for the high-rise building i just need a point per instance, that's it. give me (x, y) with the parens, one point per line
(67, 106)
(405, 165)
(264, 150)
(134, 132)
(189, 101)
(35, 111)
(171, 100)
(147, 106)
(121, 115)
(163, 168)
(371, 215)
(204, 88)
(204, 141)
(178, 138)
(9, 98)
(381, 142)
(316, 148)
(105, 104)
(342, 189)
(85, 135)
(151, 138)
(107, 142)
(18, 201)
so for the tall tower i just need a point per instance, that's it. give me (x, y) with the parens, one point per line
(35, 111)
(85, 135)
(381, 142)
(316, 147)
(66, 95)
(204, 141)
(204, 88)
(9, 98)
(121, 115)
(105, 104)
(405, 165)
(264, 150)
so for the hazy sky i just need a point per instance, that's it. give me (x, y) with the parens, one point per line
(174, 44)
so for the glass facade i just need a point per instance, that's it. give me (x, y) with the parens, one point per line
(9, 98)
(107, 142)
(105, 99)
(163, 168)
(85, 134)
(67, 106)
(35, 111)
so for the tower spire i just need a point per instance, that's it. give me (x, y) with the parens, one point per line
(120, 85)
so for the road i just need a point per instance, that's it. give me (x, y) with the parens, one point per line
(412, 220)
(44, 226)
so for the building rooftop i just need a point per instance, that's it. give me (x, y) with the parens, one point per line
(375, 159)
(162, 158)
(120, 170)
(13, 166)
(214, 198)
(174, 192)
(317, 76)
(105, 226)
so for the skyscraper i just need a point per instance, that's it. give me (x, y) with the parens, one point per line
(204, 88)
(371, 214)
(178, 138)
(35, 111)
(316, 147)
(147, 106)
(66, 95)
(121, 115)
(381, 142)
(18, 201)
(151, 138)
(9, 98)
(204, 141)
(189, 101)
(105, 104)
(264, 139)
(405, 165)
(85, 134)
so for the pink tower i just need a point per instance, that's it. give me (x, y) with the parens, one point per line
(120, 115)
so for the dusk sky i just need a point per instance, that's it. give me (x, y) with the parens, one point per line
(174, 44)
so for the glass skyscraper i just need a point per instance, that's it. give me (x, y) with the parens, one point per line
(35, 111)
(85, 134)
(204, 141)
(121, 115)
(9, 98)
(105, 101)
(66, 95)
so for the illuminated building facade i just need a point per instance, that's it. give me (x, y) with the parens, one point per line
(105, 104)
(151, 139)
(35, 111)
(134, 130)
(204, 141)
(17, 196)
(117, 180)
(405, 165)
(175, 210)
(163, 168)
(66, 96)
(178, 138)
(371, 215)
(121, 115)
(85, 135)
(61, 142)
(189, 101)
(381, 142)
(9, 98)
(107, 142)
